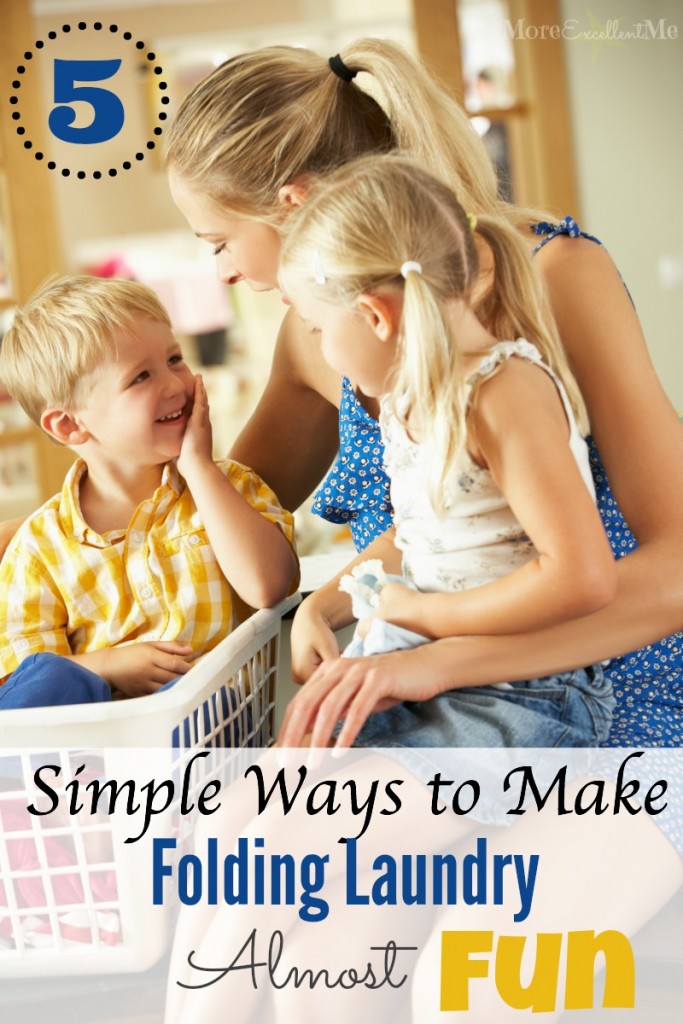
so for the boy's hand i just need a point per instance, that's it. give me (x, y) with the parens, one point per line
(138, 669)
(197, 446)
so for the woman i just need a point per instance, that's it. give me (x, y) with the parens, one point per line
(243, 149)
(244, 145)
(241, 152)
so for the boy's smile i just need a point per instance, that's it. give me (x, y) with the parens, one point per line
(172, 417)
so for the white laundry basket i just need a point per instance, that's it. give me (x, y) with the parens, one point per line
(70, 888)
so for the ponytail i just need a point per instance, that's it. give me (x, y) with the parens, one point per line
(385, 223)
(429, 379)
(265, 117)
(427, 124)
(515, 305)
(261, 119)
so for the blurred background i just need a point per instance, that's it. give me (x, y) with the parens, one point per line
(577, 105)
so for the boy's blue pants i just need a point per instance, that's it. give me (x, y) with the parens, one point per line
(48, 680)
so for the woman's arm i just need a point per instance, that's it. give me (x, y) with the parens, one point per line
(518, 428)
(637, 432)
(353, 688)
(293, 435)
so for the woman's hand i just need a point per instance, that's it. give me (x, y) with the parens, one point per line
(354, 688)
(197, 446)
(313, 641)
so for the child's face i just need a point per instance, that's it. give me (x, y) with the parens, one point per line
(139, 404)
(349, 342)
(245, 250)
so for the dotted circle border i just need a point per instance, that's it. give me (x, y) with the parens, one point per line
(66, 172)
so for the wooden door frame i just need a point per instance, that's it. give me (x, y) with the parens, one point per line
(27, 208)
(541, 130)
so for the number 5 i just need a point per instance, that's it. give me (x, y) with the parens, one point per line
(109, 114)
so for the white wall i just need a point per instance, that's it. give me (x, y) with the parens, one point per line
(626, 103)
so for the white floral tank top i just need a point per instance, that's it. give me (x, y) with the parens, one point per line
(478, 538)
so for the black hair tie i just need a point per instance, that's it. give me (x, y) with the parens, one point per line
(340, 69)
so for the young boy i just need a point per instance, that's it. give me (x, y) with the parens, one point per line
(123, 578)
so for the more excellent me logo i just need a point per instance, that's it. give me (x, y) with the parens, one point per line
(104, 100)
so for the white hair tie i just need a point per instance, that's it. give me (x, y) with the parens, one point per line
(410, 266)
(319, 275)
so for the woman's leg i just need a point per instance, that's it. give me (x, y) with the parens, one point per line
(218, 934)
(595, 873)
(354, 937)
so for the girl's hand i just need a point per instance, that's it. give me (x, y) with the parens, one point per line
(353, 689)
(313, 641)
(197, 446)
(399, 604)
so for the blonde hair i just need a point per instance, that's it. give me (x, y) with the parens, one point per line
(265, 117)
(353, 236)
(65, 332)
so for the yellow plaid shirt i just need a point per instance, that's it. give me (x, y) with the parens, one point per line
(68, 590)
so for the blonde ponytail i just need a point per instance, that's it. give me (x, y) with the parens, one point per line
(428, 382)
(264, 118)
(427, 124)
(515, 305)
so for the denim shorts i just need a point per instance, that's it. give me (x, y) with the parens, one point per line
(446, 733)
(572, 709)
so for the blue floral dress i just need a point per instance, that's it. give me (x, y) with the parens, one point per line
(648, 683)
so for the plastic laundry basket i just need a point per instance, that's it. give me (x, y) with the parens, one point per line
(70, 890)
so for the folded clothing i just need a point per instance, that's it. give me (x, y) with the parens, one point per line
(365, 583)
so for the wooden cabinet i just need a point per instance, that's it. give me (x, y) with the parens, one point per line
(31, 466)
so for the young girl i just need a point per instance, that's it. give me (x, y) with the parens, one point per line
(493, 501)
